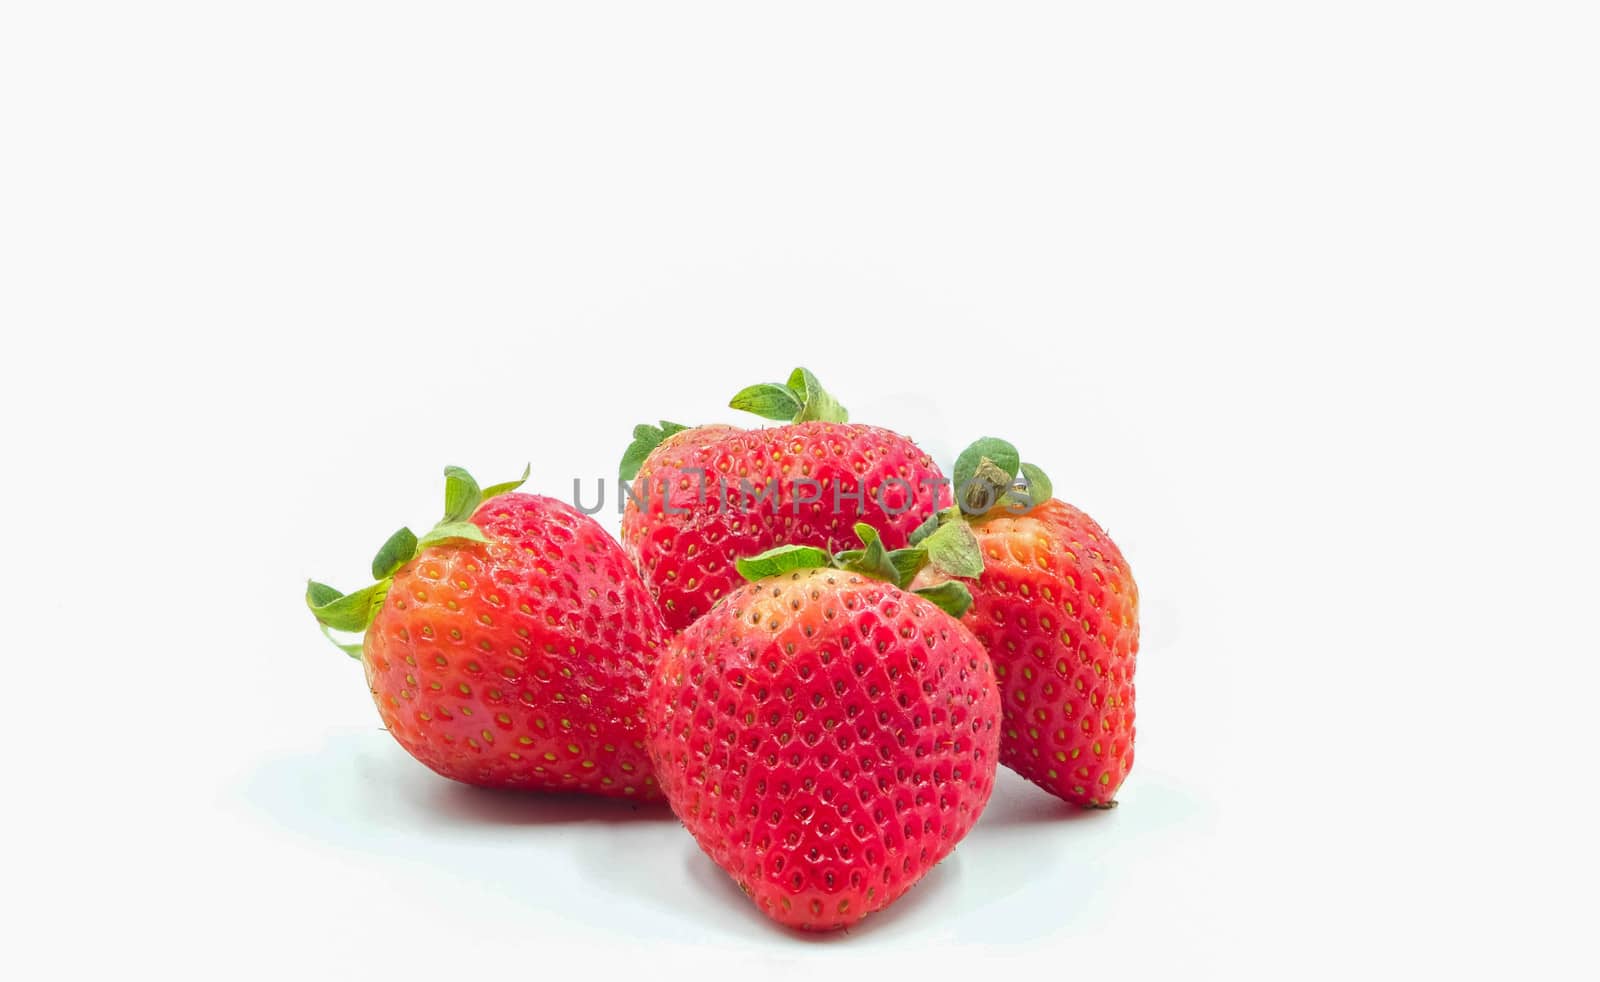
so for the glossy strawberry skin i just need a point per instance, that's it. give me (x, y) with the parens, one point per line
(1058, 611)
(523, 663)
(826, 739)
(688, 557)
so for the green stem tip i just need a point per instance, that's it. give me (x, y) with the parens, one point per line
(799, 400)
(990, 474)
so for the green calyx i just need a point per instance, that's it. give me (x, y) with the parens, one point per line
(990, 475)
(645, 439)
(950, 548)
(800, 400)
(352, 612)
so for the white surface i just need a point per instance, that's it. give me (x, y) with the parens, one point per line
(1298, 300)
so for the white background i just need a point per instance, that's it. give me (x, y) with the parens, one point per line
(1299, 300)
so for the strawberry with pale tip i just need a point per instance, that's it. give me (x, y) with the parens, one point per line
(826, 736)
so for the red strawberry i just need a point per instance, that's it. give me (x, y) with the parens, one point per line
(510, 647)
(826, 737)
(1058, 611)
(705, 496)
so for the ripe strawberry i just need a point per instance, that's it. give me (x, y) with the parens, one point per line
(702, 497)
(510, 647)
(827, 737)
(1058, 611)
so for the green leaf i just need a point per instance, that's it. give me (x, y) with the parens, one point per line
(1038, 489)
(769, 401)
(494, 490)
(646, 439)
(802, 399)
(907, 564)
(926, 529)
(461, 495)
(446, 531)
(952, 597)
(816, 403)
(954, 550)
(783, 559)
(318, 594)
(988, 487)
(872, 560)
(1002, 453)
(345, 612)
(394, 554)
